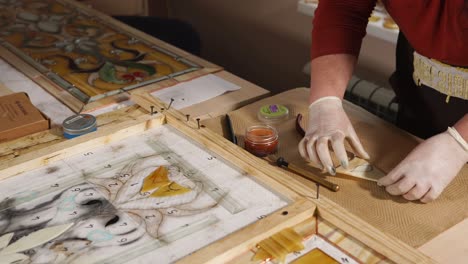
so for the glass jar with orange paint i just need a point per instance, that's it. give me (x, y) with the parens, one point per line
(261, 140)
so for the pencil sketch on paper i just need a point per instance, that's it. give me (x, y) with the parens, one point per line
(81, 53)
(139, 199)
(107, 213)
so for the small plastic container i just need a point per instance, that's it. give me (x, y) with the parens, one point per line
(78, 125)
(261, 140)
(272, 114)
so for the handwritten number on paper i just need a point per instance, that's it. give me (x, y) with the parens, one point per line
(74, 213)
(36, 218)
(108, 166)
(88, 153)
(297, 253)
(133, 184)
(149, 216)
(172, 211)
(113, 184)
(124, 224)
(123, 240)
(211, 158)
(90, 226)
(145, 193)
(55, 185)
(76, 190)
(261, 217)
(345, 260)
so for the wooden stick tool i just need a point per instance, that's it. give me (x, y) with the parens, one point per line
(281, 162)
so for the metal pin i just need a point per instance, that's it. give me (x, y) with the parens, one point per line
(198, 122)
(188, 117)
(318, 190)
(169, 106)
(152, 109)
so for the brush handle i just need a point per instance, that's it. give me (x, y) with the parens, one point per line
(317, 179)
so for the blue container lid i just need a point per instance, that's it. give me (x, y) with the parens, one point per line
(78, 125)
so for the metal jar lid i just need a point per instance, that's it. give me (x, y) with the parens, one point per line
(79, 124)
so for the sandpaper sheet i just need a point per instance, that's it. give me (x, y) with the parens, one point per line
(414, 223)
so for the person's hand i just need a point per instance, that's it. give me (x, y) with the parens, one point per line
(427, 170)
(328, 122)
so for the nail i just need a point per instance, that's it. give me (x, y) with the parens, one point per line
(198, 122)
(152, 109)
(331, 170)
(172, 100)
(188, 117)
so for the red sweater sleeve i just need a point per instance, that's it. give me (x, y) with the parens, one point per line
(339, 26)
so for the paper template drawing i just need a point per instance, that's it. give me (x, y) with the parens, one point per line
(149, 197)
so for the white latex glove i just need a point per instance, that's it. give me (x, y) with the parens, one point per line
(328, 122)
(428, 169)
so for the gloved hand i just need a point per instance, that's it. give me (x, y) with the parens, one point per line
(428, 169)
(329, 123)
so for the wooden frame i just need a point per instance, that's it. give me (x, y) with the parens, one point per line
(299, 209)
(305, 214)
(40, 76)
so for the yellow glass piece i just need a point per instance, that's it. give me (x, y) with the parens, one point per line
(156, 179)
(315, 256)
(170, 189)
(261, 255)
(289, 240)
(279, 245)
(274, 248)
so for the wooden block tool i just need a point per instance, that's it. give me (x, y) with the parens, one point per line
(357, 167)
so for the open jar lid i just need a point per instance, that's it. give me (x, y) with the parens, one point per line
(273, 113)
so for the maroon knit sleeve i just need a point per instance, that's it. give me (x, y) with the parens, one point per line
(339, 26)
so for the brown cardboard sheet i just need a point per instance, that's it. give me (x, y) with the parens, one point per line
(412, 222)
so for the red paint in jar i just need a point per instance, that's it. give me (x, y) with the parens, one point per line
(261, 140)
